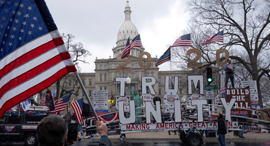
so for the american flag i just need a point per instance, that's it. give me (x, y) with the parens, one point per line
(61, 104)
(77, 107)
(126, 50)
(136, 42)
(32, 53)
(183, 40)
(54, 94)
(216, 38)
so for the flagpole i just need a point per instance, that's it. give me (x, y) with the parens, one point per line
(87, 97)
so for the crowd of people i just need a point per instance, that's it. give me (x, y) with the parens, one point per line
(53, 130)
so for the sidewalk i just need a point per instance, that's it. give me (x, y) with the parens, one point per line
(163, 136)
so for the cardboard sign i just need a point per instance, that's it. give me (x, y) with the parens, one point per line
(174, 126)
(125, 100)
(253, 92)
(100, 101)
(242, 96)
(147, 98)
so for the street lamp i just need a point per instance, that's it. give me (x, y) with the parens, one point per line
(128, 80)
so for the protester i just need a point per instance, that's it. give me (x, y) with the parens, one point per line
(52, 131)
(67, 118)
(49, 100)
(230, 71)
(222, 130)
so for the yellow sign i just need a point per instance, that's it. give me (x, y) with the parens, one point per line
(110, 101)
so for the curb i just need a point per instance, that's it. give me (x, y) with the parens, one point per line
(246, 140)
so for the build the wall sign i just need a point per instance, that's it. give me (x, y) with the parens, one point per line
(242, 96)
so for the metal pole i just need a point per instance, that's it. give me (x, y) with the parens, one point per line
(85, 93)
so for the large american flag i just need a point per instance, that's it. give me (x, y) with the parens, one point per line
(183, 40)
(77, 107)
(32, 53)
(216, 38)
(136, 42)
(61, 104)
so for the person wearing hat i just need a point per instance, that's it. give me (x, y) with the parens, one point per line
(230, 71)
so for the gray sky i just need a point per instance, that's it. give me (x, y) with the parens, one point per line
(95, 23)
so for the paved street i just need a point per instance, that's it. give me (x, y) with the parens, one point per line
(162, 138)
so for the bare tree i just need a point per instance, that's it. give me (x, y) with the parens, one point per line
(246, 29)
(66, 85)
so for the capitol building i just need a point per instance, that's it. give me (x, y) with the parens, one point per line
(104, 77)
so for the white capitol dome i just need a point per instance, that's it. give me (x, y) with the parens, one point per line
(128, 29)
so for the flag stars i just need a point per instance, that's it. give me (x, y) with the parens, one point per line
(40, 28)
(8, 27)
(2, 49)
(14, 28)
(4, 42)
(16, 21)
(29, 32)
(35, 18)
(16, 4)
(22, 30)
(20, 38)
(12, 36)
(13, 12)
(32, 25)
(19, 13)
(1, 26)
(29, 8)
(21, 5)
(10, 19)
(3, 18)
(8, 2)
(1, 2)
(26, 15)
(6, 10)
(10, 44)
(24, 23)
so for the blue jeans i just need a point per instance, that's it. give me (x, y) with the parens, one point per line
(221, 139)
(231, 77)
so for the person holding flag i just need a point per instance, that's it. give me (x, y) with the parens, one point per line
(49, 100)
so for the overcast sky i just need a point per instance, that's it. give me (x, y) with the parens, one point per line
(95, 23)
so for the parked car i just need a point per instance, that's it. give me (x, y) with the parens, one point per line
(21, 127)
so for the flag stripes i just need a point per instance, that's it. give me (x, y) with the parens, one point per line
(183, 40)
(61, 104)
(35, 59)
(216, 38)
(78, 110)
(165, 57)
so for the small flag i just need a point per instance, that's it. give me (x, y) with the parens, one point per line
(71, 103)
(184, 40)
(32, 52)
(77, 107)
(61, 104)
(26, 104)
(165, 57)
(136, 42)
(126, 50)
(216, 38)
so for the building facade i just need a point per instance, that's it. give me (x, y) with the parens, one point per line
(104, 77)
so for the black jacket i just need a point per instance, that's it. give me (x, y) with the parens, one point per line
(221, 125)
